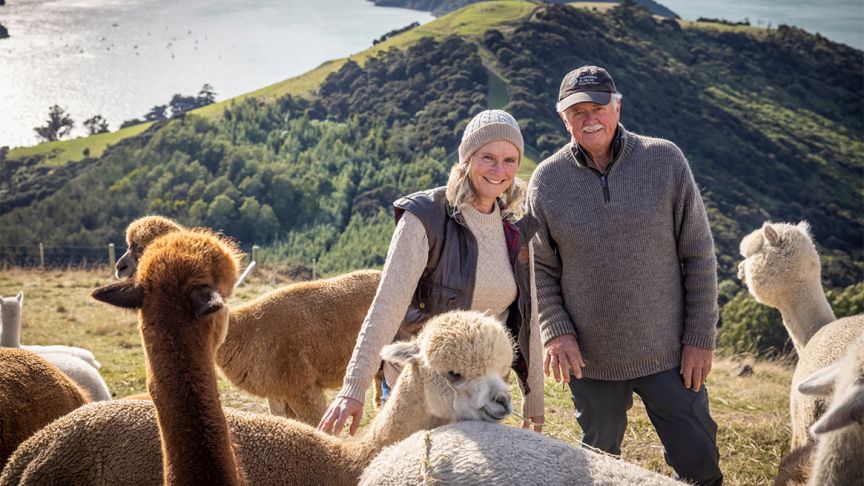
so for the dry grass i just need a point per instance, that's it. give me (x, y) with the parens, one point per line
(752, 412)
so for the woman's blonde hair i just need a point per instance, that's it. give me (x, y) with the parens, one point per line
(460, 191)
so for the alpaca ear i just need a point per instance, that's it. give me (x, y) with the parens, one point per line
(804, 227)
(843, 411)
(401, 352)
(205, 301)
(820, 382)
(127, 294)
(20, 297)
(771, 235)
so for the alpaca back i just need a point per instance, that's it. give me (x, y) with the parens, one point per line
(825, 347)
(33, 392)
(81, 372)
(81, 353)
(483, 453)
(299, 335)
(122, 437)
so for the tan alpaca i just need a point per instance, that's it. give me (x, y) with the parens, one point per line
(139, 234)
(288, 345)
(33, 392)
(782, 270)
(837, 457)
(453, 371)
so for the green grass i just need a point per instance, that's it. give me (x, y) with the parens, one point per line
(60, 152)
(752, 412)
(496, 91)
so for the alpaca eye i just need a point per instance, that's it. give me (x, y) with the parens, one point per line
(454, 377)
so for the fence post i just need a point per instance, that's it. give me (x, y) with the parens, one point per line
(111, 260)
(41, 255)
(314, 269)
(255, 250)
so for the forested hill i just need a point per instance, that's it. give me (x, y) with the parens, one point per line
(771, 121)
(441, 7)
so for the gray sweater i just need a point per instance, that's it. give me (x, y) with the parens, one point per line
(628, 268)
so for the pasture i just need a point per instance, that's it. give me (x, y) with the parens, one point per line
(752, 411)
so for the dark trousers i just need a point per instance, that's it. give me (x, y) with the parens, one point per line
(680, 416)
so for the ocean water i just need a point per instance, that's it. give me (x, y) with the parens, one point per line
(119, 58)
(839, 20)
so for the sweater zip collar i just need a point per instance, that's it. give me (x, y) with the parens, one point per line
(582, 159)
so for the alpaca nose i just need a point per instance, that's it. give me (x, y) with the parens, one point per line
(503, 405)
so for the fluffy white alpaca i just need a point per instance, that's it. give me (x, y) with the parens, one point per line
(483, 453)
(839, 433)
(77, 363)
(781, 269)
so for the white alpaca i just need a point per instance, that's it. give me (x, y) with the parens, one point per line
(484, 453)
(78, 363)
(782, 270)
(452, 371)
(837, 457)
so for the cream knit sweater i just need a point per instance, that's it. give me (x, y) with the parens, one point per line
(494, 291)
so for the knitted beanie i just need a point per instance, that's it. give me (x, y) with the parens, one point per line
(489, 126)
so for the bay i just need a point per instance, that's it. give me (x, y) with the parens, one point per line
(119, 58)
(839, 20)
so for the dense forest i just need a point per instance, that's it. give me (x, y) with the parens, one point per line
(771, 121)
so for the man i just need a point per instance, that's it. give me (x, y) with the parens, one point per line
(626, 279)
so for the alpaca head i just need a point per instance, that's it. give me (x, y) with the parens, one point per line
(776, 256)
(11, 307)
(182, 277)
(10, 319)
(845, 379)
(139, 234)
(464, 357)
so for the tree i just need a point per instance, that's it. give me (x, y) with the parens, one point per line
(181, 104)
(207, 95)
(58, 125)
(96, 124)
(158, 112)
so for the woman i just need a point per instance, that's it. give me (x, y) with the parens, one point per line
(458, 246)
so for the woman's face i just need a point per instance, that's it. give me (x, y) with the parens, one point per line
(491, 170)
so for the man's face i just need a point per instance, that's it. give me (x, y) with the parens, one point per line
(592, 125)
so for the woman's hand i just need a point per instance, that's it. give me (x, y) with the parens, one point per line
(336, 416)
(537, 421)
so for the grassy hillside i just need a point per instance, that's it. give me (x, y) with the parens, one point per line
(309, 166)
(751, 412)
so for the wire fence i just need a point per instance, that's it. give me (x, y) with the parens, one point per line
(80, 257)
(48, 256)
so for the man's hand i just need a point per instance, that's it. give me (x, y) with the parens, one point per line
(562, 354)
(695, 366)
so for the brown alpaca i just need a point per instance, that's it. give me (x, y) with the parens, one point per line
(452, 371)
(288, 345)
(139, 234)
(181, 284)
(33, 392)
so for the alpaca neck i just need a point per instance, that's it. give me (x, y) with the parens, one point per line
(805, 310)
(196, 442)
(11, 336)
(404, 413)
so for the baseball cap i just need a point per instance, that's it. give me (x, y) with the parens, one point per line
(587, 83)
